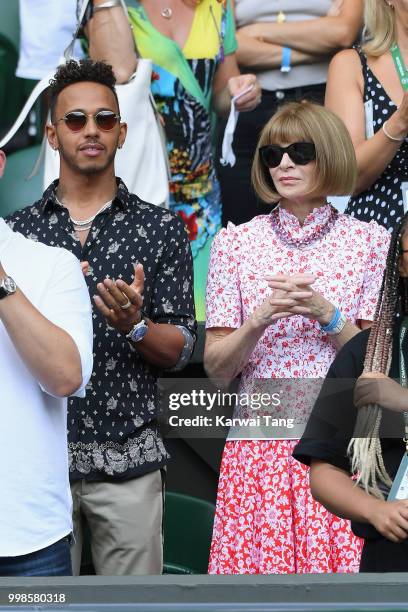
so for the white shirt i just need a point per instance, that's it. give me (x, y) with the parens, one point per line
(46, 29)
(35, 506)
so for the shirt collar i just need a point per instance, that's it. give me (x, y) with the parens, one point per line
(49, 198)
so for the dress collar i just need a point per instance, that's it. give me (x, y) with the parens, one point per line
(314, 225)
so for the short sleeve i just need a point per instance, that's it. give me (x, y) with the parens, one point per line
(223, 296)
(172, 296)
(379, 240)
(331, 423)
(230, 41)
(67, 305)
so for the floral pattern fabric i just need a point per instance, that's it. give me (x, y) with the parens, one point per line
(266, 520)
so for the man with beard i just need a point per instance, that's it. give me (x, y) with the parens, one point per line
(133, 255)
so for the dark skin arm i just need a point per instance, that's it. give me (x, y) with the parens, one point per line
(162, 344)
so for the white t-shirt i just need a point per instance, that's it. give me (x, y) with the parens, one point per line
(35, 506)
(46, 29)
(250, 11)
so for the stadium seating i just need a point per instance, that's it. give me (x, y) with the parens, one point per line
(11, 88)
(15, 190)
(188, 523)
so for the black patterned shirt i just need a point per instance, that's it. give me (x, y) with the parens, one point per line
(113, 432)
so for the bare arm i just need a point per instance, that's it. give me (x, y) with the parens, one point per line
(345, 97)
(323, 35)
(228, 82)
(49, 352)
(255, 54)
(111, 39)
(334, 488)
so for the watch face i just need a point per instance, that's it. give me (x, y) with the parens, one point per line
(139, 331)
(9, 285)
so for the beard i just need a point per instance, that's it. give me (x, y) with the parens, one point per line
(87, 168)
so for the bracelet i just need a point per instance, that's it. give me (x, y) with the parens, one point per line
(336, 324)
(106, 5)
(286, 56)
(388, 135)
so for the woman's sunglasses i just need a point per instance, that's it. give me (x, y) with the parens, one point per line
(77, 120)
(300, 153)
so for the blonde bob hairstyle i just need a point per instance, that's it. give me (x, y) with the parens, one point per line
(379, 27)
(336, 166)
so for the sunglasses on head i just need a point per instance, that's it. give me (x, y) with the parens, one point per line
(77, 120)
(300, 153)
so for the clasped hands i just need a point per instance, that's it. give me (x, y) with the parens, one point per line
(120, 303)
(293, 295)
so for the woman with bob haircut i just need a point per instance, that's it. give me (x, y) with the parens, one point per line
(285, 291)
(367, 89)
(360, 431)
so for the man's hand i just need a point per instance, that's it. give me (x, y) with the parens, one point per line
(377, 388)
(390, 518)
(114, 295)
(85, 267)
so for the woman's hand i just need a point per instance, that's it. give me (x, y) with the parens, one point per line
(271, 309)
(377, 388)
(300, 298)
(252, 98)
(390, 518)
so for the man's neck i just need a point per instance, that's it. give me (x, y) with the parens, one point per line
(86, 192)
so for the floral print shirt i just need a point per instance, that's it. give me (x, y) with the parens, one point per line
(113, 432)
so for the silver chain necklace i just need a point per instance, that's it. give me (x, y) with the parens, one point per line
(82, 226)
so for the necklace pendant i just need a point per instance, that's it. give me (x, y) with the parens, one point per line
(281, 18)
(167, 13)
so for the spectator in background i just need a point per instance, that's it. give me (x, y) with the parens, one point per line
(46, 29)
(371, 419)
(192, 45)
(368, 92)
(287, 44)
(115, 446)
(45, 356)
(276, 289)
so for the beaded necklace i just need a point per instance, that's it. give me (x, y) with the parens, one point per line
(302, 242)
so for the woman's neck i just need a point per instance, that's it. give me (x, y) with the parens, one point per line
(402, 32)
(302, 208)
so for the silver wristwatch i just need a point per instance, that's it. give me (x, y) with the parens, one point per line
(138, 331)
(7, 287)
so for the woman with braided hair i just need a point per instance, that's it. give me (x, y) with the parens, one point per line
(363, 434)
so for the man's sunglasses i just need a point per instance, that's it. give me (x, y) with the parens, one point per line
(300, 153)
(77, 120)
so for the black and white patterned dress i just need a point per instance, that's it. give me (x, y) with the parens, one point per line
(382, 202)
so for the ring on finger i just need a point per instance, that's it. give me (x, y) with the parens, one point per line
(126, 306)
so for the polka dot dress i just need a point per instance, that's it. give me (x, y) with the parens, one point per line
(383, 200)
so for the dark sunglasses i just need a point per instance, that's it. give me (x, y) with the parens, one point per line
(300, 153)
(77, 120)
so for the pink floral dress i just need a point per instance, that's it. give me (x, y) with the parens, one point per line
(266, 519)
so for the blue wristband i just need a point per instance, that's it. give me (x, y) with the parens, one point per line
(286, 56)
(333, 323)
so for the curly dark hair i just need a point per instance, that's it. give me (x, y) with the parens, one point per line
(78, 72)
